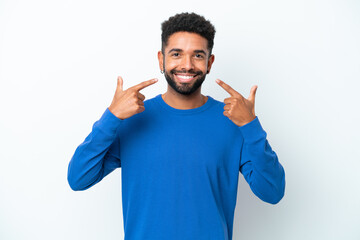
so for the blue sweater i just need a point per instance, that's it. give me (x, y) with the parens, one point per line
(179, 169)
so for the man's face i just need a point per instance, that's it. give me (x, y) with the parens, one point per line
(186, 61)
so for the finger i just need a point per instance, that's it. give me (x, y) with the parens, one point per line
(144, 84)
(141, 103)
(227, 88)
(227, 107)
(226, 113)
(141, 96)
(229, 100)
(140, 109)
(251, 97)
(119, 86)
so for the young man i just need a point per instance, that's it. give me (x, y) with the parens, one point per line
(180, 152)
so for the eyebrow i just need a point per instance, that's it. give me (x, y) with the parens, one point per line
(180, 50)
(200, 51)
(175, 50)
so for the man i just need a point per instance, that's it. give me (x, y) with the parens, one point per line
(180, 152)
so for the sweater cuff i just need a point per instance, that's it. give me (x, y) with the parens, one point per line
(108, 122)
(253, 131)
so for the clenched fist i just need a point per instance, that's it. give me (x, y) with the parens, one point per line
(237, 108)
(129, 102)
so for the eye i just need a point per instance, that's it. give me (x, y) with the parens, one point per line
(175, 54)
(199, 56)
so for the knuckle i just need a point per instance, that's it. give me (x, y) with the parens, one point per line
(134, 100)
(140, 109)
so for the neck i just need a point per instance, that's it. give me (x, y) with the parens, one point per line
(180, 101)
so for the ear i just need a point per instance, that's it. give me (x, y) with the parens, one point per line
(210, 62)
(161, 60)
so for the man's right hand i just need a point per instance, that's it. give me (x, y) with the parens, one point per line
(129, 102)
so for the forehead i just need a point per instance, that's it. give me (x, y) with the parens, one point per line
(187, 41)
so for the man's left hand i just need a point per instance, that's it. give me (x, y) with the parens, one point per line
(237, 108)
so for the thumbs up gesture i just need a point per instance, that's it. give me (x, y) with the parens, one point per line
(237, 108)
(127, 103)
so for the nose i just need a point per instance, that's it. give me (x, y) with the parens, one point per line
(187, 63)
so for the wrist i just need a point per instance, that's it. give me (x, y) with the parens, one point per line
(115, 113)
(248, 120)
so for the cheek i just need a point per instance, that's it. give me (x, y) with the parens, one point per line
(171, 63)
(198, 65)
(201, 64)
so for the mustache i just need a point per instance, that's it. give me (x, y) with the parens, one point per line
(173, 71)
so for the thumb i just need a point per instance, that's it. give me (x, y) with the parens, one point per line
(119, 84)
(251, 97)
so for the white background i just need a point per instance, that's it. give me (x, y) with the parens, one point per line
(59, 61)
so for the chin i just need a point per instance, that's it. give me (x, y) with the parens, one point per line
(185, 88)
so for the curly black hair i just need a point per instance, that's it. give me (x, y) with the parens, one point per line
(188, 22)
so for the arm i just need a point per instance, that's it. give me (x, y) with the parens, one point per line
(259, 164)
(97, 156)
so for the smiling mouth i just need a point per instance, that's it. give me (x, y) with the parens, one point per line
(184, 78)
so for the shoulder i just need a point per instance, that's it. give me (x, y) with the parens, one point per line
(152, 101)
(151, 107)
(216, 102)
(217, 113)
(216, 105)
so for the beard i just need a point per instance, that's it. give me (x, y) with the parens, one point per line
(184, 88)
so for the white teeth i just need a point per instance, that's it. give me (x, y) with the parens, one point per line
(184, 77)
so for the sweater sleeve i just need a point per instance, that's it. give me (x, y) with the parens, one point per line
(259, 164)
(98, 155)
